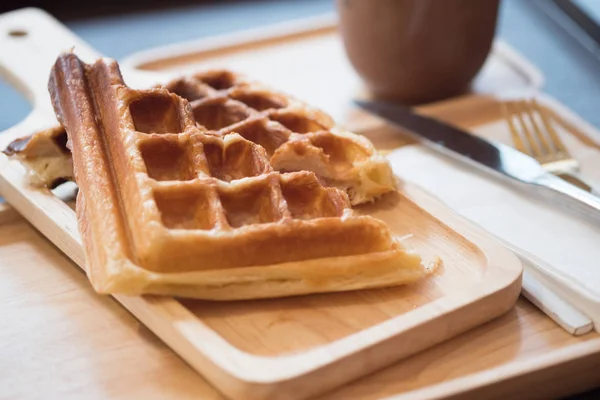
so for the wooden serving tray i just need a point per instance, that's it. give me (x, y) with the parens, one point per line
(283, 348)
(75, 344)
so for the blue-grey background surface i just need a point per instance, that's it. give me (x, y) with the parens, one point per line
(568, 60)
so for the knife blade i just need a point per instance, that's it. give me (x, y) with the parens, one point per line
(488, 155)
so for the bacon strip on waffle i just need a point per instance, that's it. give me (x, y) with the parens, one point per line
(169, 205)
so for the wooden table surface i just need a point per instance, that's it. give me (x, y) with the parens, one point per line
(65, 341)
(62, 340)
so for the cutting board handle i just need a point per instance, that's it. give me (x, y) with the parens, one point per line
(30, 40)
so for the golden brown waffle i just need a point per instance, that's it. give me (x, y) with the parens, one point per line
(295, 136)
(168, 206)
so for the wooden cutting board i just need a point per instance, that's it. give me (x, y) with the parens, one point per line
(451, 368)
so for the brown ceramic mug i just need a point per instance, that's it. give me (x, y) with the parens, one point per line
(417, 51)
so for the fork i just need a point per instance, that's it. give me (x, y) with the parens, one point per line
(533, 134)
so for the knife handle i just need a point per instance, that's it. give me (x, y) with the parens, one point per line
(575, 199)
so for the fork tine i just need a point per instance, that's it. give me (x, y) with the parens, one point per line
(530, 139)
(529, 110)
(513, 130)
(558, 143)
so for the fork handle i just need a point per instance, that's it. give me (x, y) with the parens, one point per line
(570, 196)
(578, 181)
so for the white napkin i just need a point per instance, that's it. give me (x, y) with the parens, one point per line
(569, 244)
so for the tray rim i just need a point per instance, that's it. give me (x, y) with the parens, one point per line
(43, 209)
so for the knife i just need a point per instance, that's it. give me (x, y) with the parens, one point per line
(493, 157)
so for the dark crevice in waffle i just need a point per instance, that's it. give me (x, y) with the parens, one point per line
(239, 159)
(219, 113)
(307, 199)
(167, 160)
(61, 139)
(57, 182)
(213, 151)
(297, 123)
(156, 113)
(258, 203)
(189, 90)
(186, 207)
(243, 159)
(259, 101)
(259, 131)
(218, 80)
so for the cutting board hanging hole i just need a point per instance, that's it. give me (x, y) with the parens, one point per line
(17, 33)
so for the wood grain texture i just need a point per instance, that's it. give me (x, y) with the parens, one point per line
(61, 340)
(480, 356)
(266, 327)
(72, 343)
(7, 214)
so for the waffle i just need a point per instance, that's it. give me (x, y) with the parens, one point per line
(170, 203)
(295, 136)
(45, 156)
